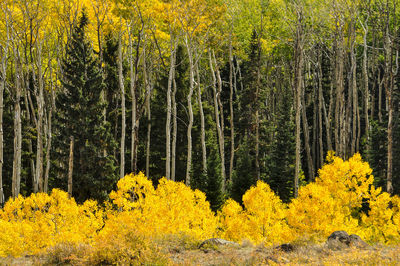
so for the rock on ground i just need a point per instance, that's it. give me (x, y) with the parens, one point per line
(341, 239)
(217, 242)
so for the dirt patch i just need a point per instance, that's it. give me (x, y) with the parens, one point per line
(318, 254)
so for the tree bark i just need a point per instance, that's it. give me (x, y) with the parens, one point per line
(340, 108)
(171, 77)
(232, 83)
(190, 110)
(354, 92)
(314, 149)
(3, 83)
(123, 109)
(49, 131)
(133, 77)
(40, 103)
(298, 56)
(388, 80)
(31, 117)
(16, 175)
(148, 86)
(222, 126)
(70, 165)
(365, 77)
(174, 131)
(320, 110)
(217, 120)
(380, 83)
(306, 135)
(202, 123)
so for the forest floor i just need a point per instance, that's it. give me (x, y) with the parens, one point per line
(303, 255)
(247, 254)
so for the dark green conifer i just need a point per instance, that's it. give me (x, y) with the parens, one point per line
(244, 176)
(281, 161)
(80, 114)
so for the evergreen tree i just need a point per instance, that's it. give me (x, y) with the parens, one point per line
(377, 153)
(112, 91)
(244, 176)
(80, 115)
(282, 155)
(210, 182)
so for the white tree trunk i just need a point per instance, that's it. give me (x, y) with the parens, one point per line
(123, 125)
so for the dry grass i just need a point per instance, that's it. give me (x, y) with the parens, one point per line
(302, 255)
(180, 250)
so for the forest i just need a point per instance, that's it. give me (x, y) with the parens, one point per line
(217, 94)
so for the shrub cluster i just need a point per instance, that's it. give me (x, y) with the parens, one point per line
(341, 198)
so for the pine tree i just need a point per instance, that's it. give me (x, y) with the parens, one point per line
(282, 155)
(110, 55)
(377, 152)
(244, 176)
(248, 101)
(211, 181)
(79, 115)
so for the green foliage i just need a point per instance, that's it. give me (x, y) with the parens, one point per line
(211, 181)
(281, 160)
(80, 115)
(377, 152)
(244, 175)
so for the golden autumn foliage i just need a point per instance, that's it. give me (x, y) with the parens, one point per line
(30, 225)
(341, 198)
(261, 220)
(170, 209)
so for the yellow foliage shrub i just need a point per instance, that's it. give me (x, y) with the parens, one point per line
(170, 209)
(381, 223)
(261, 220)
(334, 202)
(331, 202)
(34, 223)
(232, 221)
(140, 215)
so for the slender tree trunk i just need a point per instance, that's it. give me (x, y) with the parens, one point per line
(31, 117)
(123, 110)
(133, 77)
(40, 103)
(388, 78)
(298, 91)
(174, 131)
(354, 92)
(232, 83)
(190, 110)
(148, 110)
(148, 86)
(329, 115)
(380, 83)
(340, 120)
(202, 123)
(49, 132)
(70, 165)
(3, 83)
(365, 77)
(257, 114)
(16, 176)
(222, 126)
(314, 149)
(306, 136)
(389, 187)
(217, 119)
(169, 109)
(320, 104)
